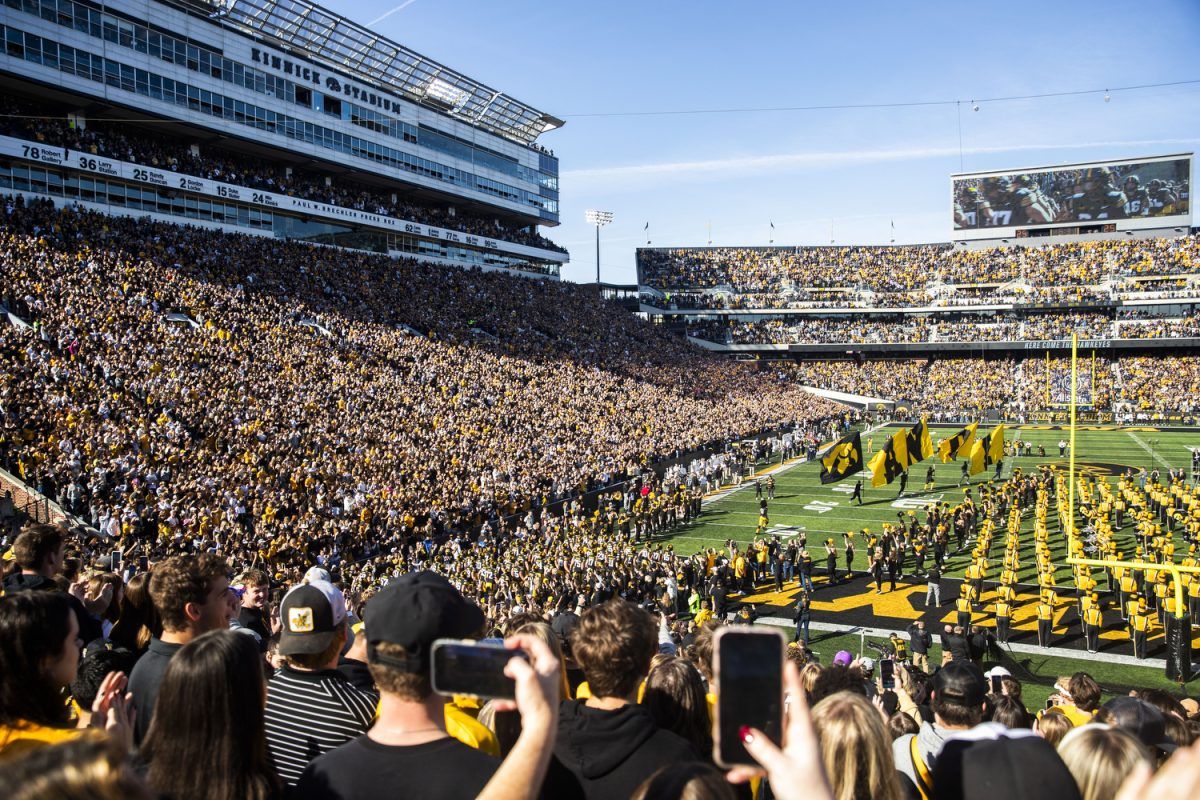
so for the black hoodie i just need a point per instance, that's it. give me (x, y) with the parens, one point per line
(605, 755)
(89, 627)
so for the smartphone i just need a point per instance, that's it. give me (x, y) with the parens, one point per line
(1049, 703)
(114, 563)
(143, 564)
(472, 668)
(887, 673)
(748, 667)
(997, 684)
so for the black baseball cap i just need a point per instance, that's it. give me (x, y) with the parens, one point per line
(413, 611)
(311, 615)
(1014, 764)
(1141, 719)
(961, 683)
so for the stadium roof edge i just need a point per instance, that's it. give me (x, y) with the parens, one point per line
(315, 31)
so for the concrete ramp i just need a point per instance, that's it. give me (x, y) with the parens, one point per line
(858, 400)
(182, 319)
(318, 327)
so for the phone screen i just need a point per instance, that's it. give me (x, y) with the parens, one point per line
(887, 673)
(749, 666)
(472, 669)
(115, 560)
(997, 684)
(143, 563)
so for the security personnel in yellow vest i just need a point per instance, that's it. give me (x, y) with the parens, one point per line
(1139, 624)
(963, 604)
(1003, 620)
(1093, 620)
(1045, 617)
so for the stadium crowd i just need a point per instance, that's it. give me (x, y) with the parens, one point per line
(874, 329)
(906, 269)
(167, 152)
(1148, 328)
(489, 396)
(199, 686)
(951, 389)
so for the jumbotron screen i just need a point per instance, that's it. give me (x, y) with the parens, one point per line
(1142, 193)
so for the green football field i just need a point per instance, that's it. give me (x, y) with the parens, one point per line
(802, 503)
(803, 506)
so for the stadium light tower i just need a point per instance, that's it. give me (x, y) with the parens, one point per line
(599, 219)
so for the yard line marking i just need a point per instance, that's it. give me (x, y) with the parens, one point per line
(1147, 448)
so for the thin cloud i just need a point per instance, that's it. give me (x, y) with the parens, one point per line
(395, 10)
(744, 165)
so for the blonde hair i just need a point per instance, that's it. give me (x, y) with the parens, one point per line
(808, 676)
(544, 632)
(89, 767)
(1052, 726)
(855, 748)
(1100, 759)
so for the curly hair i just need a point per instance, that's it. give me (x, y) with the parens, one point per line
(35, 542)
(181, 580)
(614, 644)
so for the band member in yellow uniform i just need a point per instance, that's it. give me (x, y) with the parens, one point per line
(1003, 620)
(1139, 625)
(963, 604)
(1045, 617)
(1093, 621)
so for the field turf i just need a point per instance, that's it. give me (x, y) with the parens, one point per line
(802, 506)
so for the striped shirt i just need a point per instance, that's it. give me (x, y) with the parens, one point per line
(310, 713)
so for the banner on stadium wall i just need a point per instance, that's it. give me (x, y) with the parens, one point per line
(175, 181)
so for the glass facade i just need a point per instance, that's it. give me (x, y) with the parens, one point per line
(203, 60)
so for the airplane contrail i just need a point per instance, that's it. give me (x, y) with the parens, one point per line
(387, 14)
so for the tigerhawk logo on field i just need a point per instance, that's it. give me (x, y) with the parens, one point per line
(1096, 469)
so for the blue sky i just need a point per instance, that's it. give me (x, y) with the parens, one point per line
(854, 170)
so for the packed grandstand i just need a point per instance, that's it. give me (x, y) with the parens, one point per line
(290, 389)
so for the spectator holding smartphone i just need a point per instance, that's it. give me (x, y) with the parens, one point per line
(407, 752)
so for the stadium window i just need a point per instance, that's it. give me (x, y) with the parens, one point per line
(124, 34)
(14, 43)
(331, 106)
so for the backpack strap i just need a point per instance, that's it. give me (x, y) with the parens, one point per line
(924, 777)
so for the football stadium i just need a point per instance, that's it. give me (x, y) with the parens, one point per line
(331, 465)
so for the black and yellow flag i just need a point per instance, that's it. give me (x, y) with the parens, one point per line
(996, 444)
(960, 442)
(979, 456)
(987, 451)
(918, 444)
(842, 460)
(889, 462)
